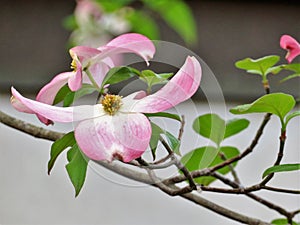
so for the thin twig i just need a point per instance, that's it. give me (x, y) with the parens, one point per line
(208, 171)
(179, 165)
(181, 129)
(232, 170)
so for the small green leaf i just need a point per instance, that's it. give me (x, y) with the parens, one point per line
(290, 77)
(118, 74)
(173, 142)
(164, 114)
(281, 168)
(76, 168)
(291, 116)
(71, 97)
(235, 126)
(61, 94)
(295, 67)
(151, 78)
(210, 126)
(206, 157)
(283, 222)
(277, 103)
(156, 132)
(68, 140)
(261, 66)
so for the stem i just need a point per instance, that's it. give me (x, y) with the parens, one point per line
(90, 76)
(279, 157)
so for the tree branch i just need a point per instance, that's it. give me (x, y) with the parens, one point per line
(125, 171)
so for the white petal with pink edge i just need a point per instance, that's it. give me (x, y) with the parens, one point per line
(129, 43)
(59, 114)
(122, 136)
(181, 87)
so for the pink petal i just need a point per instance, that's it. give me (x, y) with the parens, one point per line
(291, 45)
(48, 92)
(83, 53)
(181, 87)
(129, 43)
(58, 114)
(20, 106)
(75, 81)
(122, 136)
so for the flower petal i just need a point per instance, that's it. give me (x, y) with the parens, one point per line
(48, 92)
(58, 114)
(83, 53)
(75, 81)
(181, 87)
(122, 136)
(291, 45)
(129, 43)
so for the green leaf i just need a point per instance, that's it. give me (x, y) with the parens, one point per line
(206, 157)
(283, 222)
(290, 77)
(281, 168)
(151, 78)
(76, 168)
(235, 126)
(178, 16)
(143, 24)
(295, 67)
(291, 116)
(210, 126)
(156, 132)
(61, 94)
(277, 103)
(173, 142)
(110, 6)
(69, 99)
(261, 66)
(164, 114)
(72, 96)
(118, 74)
(68, 140)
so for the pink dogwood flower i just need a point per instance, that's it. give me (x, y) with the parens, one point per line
(116, 127)
(90, 65)
(291, 45)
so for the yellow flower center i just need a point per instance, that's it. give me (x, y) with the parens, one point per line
(111, 103)
(73, 65)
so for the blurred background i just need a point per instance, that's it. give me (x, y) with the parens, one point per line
(34, 42)
(34, 45)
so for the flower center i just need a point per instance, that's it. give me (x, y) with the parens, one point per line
(73, 65)
(111, 103)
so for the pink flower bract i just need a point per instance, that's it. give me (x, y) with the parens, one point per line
(291, 45)
(122, 132)
(98, 61)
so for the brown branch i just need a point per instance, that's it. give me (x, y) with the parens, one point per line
(207, 171)
(123, 170)
(30, 129)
